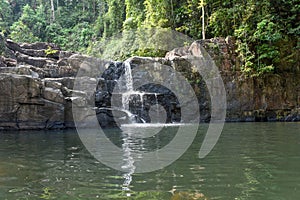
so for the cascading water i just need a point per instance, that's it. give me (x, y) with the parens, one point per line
(128, 106)
(126, 85)
(157, 106)
(142, 100)
(141, 109)
(124, 96)
(128, 76)
(126, 92)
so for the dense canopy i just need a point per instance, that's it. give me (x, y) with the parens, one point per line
(267, 31)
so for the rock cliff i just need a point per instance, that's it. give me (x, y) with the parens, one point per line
(268, 97)
(36, 86)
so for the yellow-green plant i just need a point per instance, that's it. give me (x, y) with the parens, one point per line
(50, 51)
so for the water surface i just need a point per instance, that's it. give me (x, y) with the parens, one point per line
(250, 161)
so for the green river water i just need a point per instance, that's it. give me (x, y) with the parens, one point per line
(256, 161)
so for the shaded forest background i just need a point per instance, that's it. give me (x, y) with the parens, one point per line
(266, 32)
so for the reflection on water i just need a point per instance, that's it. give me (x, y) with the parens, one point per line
(250, 161)
(128, 163)
(134, 136)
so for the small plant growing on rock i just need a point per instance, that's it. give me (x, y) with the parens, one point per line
(50, 51)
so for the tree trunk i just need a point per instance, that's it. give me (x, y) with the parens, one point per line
(203, 20)
(172, 13)
(57, 5)
(94, 9)
(52, 12)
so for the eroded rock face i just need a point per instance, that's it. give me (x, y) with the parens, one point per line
(32, 103)
(7, 62)
(23, 105)
(271, 97)
(36, 92)
(37, 89)
(46, 59)
(38, 49)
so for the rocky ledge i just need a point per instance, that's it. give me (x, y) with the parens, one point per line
(36, 86)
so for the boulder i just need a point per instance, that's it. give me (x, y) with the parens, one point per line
(39, 62)
(12, 45)
(7, 62)
(39, 46)
(89, 66)
(49, 115)
(177, 52)
(38, 49)
(53, 95)
(65, 54)
(21, 70)
(2, 63)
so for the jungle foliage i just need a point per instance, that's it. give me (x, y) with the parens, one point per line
(267, 31)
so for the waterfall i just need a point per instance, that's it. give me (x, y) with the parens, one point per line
(142, 100)
(126, 92)
(126, 81)
(157, 108)
(129, 91)
(128, 76)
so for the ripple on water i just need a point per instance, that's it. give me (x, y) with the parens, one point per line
(250, 161)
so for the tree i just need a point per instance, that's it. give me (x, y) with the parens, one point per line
(52, 12)
(21, 33)
(28, 27)
(203, 19)
(5, 16)
(134, 14)
(187, 18)
(157, 14)
(267, 31)
(114, 18)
